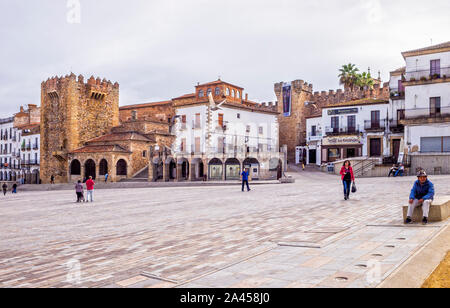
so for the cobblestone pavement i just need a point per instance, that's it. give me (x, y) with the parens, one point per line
(292, 235)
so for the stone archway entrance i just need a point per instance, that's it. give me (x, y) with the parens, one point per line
(232, 169)
(89, 169)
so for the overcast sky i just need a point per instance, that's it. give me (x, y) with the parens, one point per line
(160, 49)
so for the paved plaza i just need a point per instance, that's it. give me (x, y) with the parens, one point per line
(290, 235)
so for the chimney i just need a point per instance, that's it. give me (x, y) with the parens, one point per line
(246, 96)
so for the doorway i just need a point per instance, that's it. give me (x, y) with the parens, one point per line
(312, 157)
(375, 147)
(396, 148)
(351, 152)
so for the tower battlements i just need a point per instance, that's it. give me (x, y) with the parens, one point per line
(93, 85)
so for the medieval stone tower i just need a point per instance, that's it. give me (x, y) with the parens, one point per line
(293, 127)
(73, 112)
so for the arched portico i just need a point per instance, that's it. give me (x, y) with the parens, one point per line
(215, 169)
(254, 167)
(232, 169)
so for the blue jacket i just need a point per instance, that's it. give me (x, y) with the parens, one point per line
(245, 176)
(425, 191)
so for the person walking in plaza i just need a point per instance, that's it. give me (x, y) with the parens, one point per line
(422, 194)
(90, 189)
(245, 176)
(79, 191)
(14, 188)
(347, 178)
(106, 177)
(5, 189)
(52, 179)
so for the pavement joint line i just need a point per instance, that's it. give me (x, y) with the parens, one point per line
(406, 226)
(156, 277)
(415, 253)
(225, 267)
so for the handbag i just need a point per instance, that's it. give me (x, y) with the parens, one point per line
(354, 189)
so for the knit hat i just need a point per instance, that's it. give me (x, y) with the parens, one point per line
(422, 173)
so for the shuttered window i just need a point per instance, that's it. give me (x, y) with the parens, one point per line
(446, 144)
(431, 144)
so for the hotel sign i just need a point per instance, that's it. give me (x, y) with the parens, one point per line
(342, 111)
(342, 140)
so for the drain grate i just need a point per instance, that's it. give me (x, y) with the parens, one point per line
(341, 279)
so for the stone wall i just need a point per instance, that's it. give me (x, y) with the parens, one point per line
(158, 112)
(73, 112)
(26, 117)
(433, 163)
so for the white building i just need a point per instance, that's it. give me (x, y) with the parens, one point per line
(218, 133)
(30, 152)
(427, 107)
(9, 150)
(427, 99)
(351, 129)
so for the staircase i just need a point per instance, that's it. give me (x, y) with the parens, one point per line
(141, 176)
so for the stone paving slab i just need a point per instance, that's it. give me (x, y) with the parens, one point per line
(186, 234)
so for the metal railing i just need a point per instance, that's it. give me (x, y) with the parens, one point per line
(333, 131)
(395, 126)
(427, 74)
(375, 125)
(418, 113)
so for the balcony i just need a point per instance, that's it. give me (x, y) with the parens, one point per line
(426, 115)
(314, 137)
(35, 147)
(396, 127)
(28, 147)
(375, 126)
(396, 95)
(336, 131)
(427, 76)
(221, 126)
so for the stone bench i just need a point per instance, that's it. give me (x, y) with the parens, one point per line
(439, 210)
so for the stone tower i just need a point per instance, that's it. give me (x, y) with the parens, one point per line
(293, 127)
(73, 112)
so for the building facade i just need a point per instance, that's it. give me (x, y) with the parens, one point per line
(427, 107)
(297, 102)
(219, 132)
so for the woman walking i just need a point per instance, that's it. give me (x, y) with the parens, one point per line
(347, 178)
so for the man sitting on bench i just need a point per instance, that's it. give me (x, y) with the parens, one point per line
(422, 194)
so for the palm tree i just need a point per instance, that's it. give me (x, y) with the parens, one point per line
(349, 75)
(365, 81)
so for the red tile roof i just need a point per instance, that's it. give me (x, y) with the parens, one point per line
(101, 149)
(29, 126)
(429, 49)
(125, 136)
(186, 96)
(145, 105)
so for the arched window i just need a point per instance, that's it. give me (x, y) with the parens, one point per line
(201, 93)
(75, 167)
(208, 92)
(239, 94)
(228, 92)
(234, 93)
(121, 167)
(217, 91)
